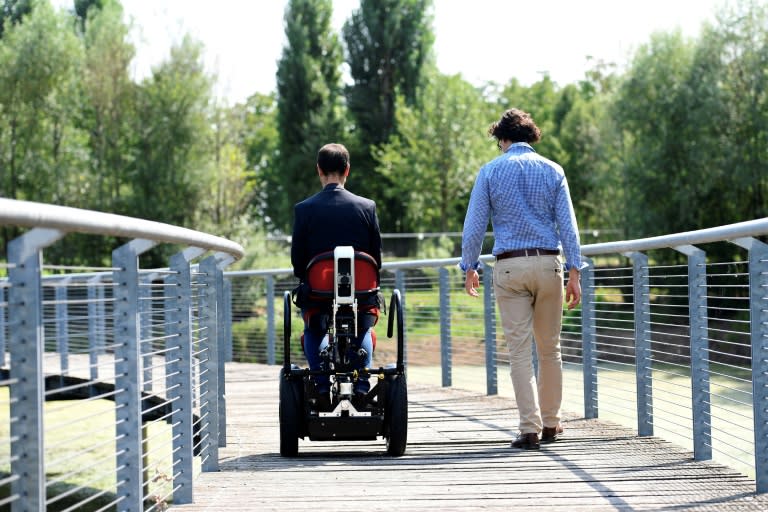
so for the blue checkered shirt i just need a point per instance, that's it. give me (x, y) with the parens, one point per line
(526, 198)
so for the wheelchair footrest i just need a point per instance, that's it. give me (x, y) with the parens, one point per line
(351, 428)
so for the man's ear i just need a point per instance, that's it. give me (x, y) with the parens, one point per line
(319, 172)
(346, 171)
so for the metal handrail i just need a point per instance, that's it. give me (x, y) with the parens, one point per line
(74, 220)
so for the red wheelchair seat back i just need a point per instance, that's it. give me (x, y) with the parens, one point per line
(320, 275)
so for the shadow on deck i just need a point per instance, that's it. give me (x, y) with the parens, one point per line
(458, 458)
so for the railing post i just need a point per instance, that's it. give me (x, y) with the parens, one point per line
(179, 373)
(3, 320)
(643, 368)
(270, 320)
(588, 340)
(489, 313)
(228, 320)
(101, 314)
(699, 334)
(209, 372)
(26, 347)
(62, 325)
(400, 285)
(445, 327)
(93, 338)
(221, 344)
(128, 412)
(758, 321)
(145, 315)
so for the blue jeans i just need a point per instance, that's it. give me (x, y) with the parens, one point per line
(316, 339)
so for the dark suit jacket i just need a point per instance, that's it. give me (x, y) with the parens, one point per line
(330, 218)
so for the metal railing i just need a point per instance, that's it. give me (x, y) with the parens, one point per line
(112, 384)
(112, 376)
(668, 340)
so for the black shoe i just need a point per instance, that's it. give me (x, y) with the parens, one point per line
(526, 441)
(551, 434)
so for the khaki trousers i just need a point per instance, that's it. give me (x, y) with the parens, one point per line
(529, 292)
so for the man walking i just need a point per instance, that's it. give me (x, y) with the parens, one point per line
(526, 198)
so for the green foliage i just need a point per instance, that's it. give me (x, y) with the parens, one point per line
(728, 109)
(388, 48)
(259, 139)
(388, 45)
(109, 102)
(83, 9)
(694, 129)
(653, 118)
(309, 106)
(433, 159)
(171, 128)
(38, 62)
(676, 142)
(12, 12)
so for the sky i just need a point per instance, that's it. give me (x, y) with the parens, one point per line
(483, 40)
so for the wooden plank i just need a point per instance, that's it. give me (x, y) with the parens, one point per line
(458, 458)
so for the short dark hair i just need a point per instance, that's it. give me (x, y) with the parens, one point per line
(516, 126)
(333, 159)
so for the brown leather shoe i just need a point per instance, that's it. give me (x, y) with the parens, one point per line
(526, 441)
(551, 434)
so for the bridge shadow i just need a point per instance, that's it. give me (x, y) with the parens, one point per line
(66, 387)
(584, 455)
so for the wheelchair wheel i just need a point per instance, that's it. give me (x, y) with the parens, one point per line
(397, 415)
(290, 415)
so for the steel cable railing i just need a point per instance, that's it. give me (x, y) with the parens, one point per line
(667, 340)
(96, 382)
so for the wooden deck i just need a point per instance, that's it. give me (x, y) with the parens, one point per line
(458, 458)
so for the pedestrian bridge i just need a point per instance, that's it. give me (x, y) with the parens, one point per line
(137, 387)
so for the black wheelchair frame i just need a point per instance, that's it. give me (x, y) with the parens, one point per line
(384, 413)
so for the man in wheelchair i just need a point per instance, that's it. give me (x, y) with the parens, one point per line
(335, 217)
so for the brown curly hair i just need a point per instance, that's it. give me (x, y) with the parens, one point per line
(516, 126)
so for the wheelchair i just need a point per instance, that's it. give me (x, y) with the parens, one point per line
(340, 282)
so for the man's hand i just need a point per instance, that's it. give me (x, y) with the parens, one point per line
(472, 282)
(573, 288)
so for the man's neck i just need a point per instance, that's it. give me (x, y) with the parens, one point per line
(327, 180)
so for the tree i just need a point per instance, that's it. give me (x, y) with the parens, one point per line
(82, 8)
(12, 12)
(38, 64)
(259, 140)
(388, 46)
(109, 97)
(728, 106)
(653, 118)
(41, 150)
(435, 155)
(308, 105)
(172, 131)
(229, 185)
(581, 128)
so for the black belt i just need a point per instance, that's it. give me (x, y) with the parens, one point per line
(526, 252)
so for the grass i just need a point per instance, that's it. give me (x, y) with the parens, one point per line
(79, 443)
